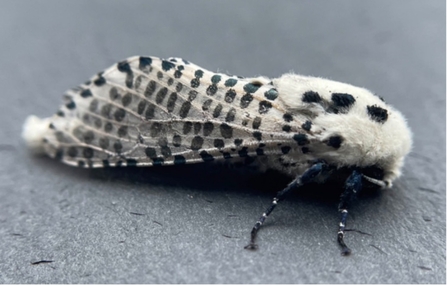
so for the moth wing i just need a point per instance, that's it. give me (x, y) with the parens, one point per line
(150, 111)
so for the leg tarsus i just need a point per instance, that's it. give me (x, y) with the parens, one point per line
(345, 249)
(251, 246)
(352, 186)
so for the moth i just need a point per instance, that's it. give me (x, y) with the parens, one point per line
(148, 111)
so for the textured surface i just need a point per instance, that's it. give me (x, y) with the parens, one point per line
(169, 224)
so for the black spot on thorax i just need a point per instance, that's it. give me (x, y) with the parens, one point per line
(335, 141)
(377, 113)
(311, 96)
(343, 100)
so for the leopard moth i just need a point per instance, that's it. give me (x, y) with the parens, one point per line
(148, 111)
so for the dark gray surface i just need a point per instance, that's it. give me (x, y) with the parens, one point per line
(195, 220)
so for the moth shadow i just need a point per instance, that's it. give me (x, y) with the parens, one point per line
(228, 178)
(209, 177)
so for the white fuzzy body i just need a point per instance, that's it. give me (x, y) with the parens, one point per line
(135, 113)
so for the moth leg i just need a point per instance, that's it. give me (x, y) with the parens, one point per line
(352, 185)
(308, 176)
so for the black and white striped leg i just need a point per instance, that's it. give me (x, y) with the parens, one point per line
(352, 185)
(308, 176)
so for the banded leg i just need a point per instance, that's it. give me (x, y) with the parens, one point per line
(308, 176)
(352, 185)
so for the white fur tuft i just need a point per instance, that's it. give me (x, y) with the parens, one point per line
(33, 132)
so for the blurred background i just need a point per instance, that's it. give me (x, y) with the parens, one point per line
(189, 224)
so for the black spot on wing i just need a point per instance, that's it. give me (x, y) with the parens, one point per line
(171, 101)
(230, 82)
(122, 131)
(70, 105)
(230, 95)
(215, 79)
(271, 94)
(196, 143)
(195, 82)
(150, 152)
(251, 88)
(155, 129)
(206, 104)
(287, 117)
(99, 81)
(179, 160)
(177, 140)
(119, 114)
(161, 94)
(245, 100)
(144, 64)
(243, 152)
(212, 89)
(150, 89)
(114, 94)
(197, 127)
(131, 162)
(219, 143)
(157, 161)
(150, 111)
(257, 122)
(108, 127)
(226, 131)
(141, 106)
(178, 74)
(198, 73)
(301, 139)
(257, 135)
(104, 142)
(286, 128)
(285, 149)
(118, 146)
(192, 94)
(165, 65)
(206, 157)
(264, 106)
(179, 87)
(207, 128)
(72, 152)
(126, 99)
(124, 67)
(307, 125)
(230, 115)
(187, 127)
(217, 110)
(86, 93)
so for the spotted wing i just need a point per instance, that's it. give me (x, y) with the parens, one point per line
(149, 111)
